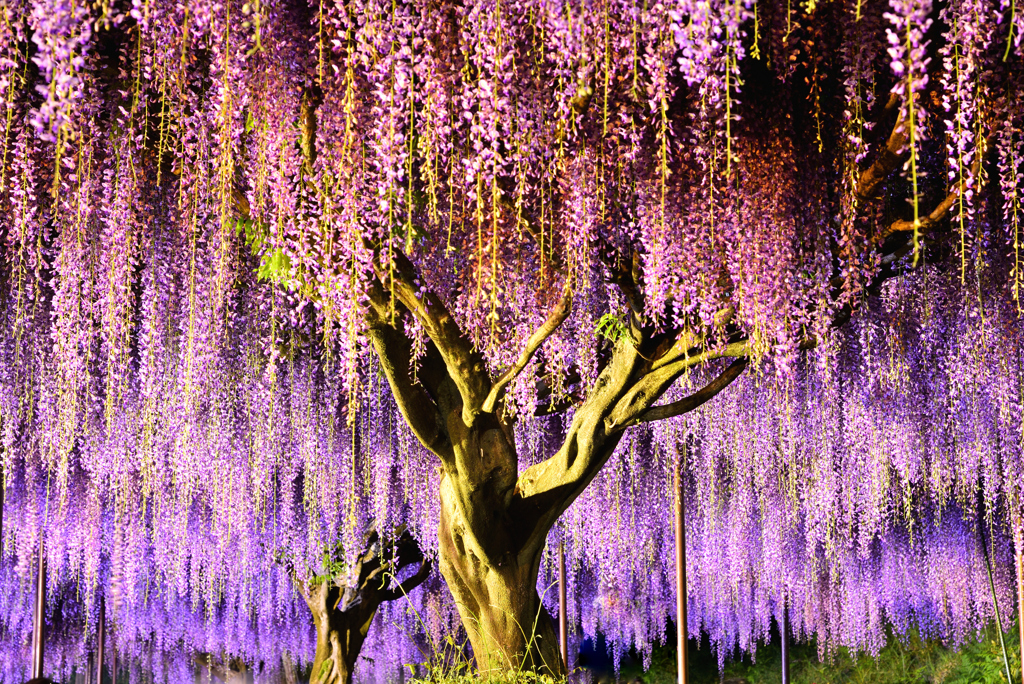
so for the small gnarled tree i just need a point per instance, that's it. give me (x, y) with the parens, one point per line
(344, 599)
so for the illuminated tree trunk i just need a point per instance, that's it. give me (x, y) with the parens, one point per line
(338, 638)
(501, 610)
(342, 614)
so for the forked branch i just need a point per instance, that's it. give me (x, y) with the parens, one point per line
(625, 275)
(465, 365)
(395, 353)
(403, 588)
(553, 322)
(646, 390)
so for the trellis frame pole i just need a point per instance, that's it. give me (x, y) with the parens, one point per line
(39, 615)
(563, 626)
(784, 628)
(680, 520)
(1020, 605)
(101, 638)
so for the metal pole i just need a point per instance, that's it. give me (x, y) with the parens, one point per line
(101, 636)
(995, 604)
(39, 615)
(680, 572)
(563, 623)
(113, 662)
(1020, 609)
(785, 642)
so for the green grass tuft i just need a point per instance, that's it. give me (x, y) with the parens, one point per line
(907, 660)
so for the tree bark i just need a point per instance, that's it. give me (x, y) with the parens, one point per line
(508, 627)
(338, 638)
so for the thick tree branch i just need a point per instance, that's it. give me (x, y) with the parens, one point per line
(942, 210)
(379, 565)
(705, 394)
(311, 100)
(689, 342)
(465, 365)
(553, 322)
(872, 178)
(410, 583)
(394, 350)
(544, 490)
(649, 388)
(625, 275)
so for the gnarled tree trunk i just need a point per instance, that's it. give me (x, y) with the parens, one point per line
(494, 518)
(342, 614)
(338, 636)
(501, 610)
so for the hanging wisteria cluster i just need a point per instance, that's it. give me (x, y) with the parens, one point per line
(161, 637)
(205, 204)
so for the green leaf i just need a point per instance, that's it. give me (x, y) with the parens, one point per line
(275, 266)
(612, 328)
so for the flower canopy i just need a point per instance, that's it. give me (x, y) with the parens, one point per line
(208, 208)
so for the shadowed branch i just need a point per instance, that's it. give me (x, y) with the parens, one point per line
(465, 365)
(872, 178)
(395, 353)
(942, 210)
(687, 404)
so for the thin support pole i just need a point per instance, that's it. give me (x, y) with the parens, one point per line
(113, 662)
(681, 636)
(995, 604)
(101, 639)
(785, 642)
(563, 623)
(39, 615)
(1020, 606)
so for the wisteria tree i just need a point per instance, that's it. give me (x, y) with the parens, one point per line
(533, 218)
